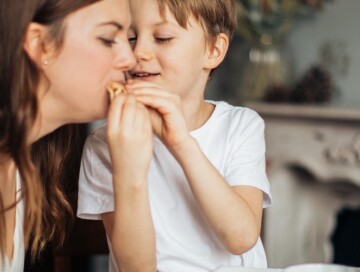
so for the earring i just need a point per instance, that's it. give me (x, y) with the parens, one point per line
(45, 62)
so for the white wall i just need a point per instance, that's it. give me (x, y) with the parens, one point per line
(337, 26)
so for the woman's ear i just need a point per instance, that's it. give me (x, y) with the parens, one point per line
(37, 45)
(217, 51)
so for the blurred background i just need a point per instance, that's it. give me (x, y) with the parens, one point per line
(296, 63)
(280, 42)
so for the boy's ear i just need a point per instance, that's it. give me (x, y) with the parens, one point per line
(36, 44)
(217, 51)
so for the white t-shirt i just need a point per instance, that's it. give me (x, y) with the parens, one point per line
(233, 140)
(18, 259)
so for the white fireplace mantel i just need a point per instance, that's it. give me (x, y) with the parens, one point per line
(324, 142)
(307, 111)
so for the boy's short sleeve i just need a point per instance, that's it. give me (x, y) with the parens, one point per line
(95, 195)
(246, 165)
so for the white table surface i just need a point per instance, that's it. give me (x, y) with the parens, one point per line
(245, 269)
(295, 268)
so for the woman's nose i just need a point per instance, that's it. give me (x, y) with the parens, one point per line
(125, 58)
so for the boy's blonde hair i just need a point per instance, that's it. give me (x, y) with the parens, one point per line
(216, 16)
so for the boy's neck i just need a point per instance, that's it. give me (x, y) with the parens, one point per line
(196, 114)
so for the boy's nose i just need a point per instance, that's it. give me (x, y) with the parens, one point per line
(142, 52)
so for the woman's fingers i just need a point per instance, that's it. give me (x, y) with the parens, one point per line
(129, 113)
(142, 119)
(115, 113)
(126, 116)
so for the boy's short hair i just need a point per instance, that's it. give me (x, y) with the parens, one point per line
(216, 16)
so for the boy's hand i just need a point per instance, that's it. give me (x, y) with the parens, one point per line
(129, 137)
(166, 113)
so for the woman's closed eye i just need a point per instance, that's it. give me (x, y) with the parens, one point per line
(107, 42)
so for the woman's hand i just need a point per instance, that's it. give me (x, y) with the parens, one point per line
(129, 136)
(129, 226)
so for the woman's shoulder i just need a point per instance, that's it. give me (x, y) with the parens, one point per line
(98, 133)
(96, 139)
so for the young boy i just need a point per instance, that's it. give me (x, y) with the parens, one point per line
(178, 181)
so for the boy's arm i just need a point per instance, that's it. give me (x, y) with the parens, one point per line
(130, 227)
(234, 213)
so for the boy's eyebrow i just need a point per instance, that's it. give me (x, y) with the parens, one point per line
(112, 23)
(164, 23)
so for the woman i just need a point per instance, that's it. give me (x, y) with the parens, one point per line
(56, 58)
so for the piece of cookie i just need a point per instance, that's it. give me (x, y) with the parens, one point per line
(115, 89)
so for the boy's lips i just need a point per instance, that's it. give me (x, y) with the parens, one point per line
(143, 75)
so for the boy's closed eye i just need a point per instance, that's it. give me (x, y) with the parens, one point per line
(132, 40)
(160, 40)
(163, 39)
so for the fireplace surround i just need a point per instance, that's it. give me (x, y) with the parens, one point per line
(313, 159)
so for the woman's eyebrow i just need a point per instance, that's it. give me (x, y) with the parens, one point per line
(112, 23)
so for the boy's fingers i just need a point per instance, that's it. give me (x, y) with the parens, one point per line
(160, 96)
(146, 87)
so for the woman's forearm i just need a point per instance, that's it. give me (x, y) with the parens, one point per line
(133, 238)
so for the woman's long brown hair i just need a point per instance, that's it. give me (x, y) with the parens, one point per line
(47, 208)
